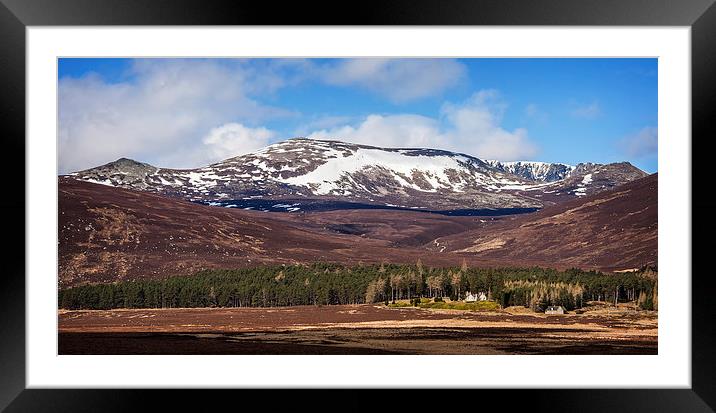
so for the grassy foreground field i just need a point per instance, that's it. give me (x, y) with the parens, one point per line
(354, 329)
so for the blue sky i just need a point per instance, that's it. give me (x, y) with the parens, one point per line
(191, 112)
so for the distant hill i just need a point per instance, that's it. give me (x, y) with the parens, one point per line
(614, 229)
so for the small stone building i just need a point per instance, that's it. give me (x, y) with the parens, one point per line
(554, 309)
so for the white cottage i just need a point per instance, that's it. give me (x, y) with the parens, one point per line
(470, 298)
(554, 309)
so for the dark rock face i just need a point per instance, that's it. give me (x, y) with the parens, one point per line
(334, 170)
(535, 171)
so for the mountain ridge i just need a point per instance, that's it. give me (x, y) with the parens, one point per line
(336, 170)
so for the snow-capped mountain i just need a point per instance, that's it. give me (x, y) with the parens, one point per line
(534, 171)
(333, 170)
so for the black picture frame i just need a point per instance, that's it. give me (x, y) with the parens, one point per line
(16, 15)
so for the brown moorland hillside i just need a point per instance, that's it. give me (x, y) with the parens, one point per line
(612, 230)
(107, 234)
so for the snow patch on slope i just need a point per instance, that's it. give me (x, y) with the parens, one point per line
(432, 168)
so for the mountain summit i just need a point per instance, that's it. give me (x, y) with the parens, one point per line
(333, 170)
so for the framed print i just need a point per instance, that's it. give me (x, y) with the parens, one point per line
(429, 199)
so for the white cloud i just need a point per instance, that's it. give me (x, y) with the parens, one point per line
(400, 80)
(475, 124)
(233, 139)
(472, 127)
(159, 114)
(643, 143)
(387, 131)
(323, 122)
(187, 113)
(586, 111)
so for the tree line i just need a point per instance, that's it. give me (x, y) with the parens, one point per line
(327, 284)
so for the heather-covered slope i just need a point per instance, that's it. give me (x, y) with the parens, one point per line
(615, 229)
(108, 234)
